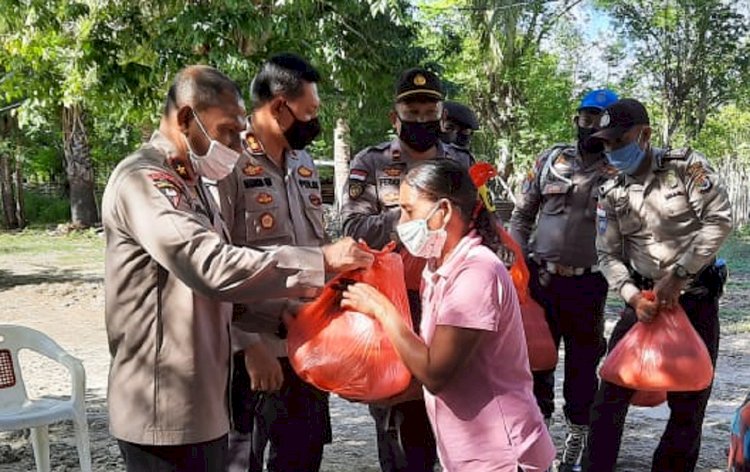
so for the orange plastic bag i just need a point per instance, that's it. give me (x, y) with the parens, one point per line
(664, 355)
(648, 399)
(539, 341)
(346, 352)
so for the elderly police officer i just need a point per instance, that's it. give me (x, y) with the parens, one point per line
(273, 198)
(459, 124)
(554, 221)
(169, 273)
(371, 212)
(660, 224)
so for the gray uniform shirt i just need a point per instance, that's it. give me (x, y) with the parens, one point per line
(555, 213)
(266, 206)
(678, 213)
(169, 275)
(370, 207)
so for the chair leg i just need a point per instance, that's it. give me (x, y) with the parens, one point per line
(40, 443)
(82, 443)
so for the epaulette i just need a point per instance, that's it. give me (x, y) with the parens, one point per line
(377, 148)
(680, 154)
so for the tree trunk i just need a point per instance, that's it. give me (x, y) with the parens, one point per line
(341, 153)
(20, 207)
(6, 177)
(9, 203)
(78, 168)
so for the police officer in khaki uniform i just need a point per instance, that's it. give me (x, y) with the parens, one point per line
(371, 212)
(169, 274)
(273, 198)
(555, 223)
(660, 224)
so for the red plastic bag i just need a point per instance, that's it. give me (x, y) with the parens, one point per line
(346, 352)
(648, 399)
(664, 355)
(539, 341)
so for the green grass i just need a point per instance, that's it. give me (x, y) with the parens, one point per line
(42, 247)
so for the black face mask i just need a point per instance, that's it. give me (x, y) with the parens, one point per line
(420, 136)
(454, 137)
(587, 144)
(301, 133)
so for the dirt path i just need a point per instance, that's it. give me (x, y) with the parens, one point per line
(68, 305)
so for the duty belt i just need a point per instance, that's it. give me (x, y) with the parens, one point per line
(565, 270)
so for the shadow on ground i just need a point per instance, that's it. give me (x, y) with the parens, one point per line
(47, 275)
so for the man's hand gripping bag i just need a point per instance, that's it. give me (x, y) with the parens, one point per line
(666, 355)
(347, 352)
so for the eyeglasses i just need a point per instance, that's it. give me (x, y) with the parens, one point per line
(587, 120)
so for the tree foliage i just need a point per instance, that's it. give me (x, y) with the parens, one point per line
(694, 54)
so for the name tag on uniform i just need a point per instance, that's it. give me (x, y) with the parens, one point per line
(309, 184)
(259, 182)
(555, 189)
(387, 181)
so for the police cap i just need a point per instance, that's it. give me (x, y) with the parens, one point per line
(418, 83)
(462, 115)
(619, 117)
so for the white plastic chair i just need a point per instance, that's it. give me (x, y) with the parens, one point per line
(18, 411)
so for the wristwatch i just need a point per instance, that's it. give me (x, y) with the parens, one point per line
(680, 272)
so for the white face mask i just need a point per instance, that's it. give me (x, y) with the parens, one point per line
(219, 160)
(421, 241)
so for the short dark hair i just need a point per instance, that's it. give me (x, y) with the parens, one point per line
(200, 87)
(283, 74)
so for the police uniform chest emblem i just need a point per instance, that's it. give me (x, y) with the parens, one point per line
(392, 171)
(252, 170)
(605, 120)
(315, 199)
(267, 221)
(304, 171)
(419, 80)
(264, 198)
(391, 198)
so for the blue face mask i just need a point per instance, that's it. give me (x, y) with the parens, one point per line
(627, 159)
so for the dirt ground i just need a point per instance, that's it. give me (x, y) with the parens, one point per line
(56, 287)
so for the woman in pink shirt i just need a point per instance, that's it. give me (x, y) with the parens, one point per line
(471, 357)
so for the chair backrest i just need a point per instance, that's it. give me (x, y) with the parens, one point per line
(13, 339)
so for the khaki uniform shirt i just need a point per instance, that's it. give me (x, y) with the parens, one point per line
(267, 207)
(370, 208)
(562, 192)
(168, 277)
(678, 213)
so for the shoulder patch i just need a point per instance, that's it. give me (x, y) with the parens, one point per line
(698, 174)
(356, 189)
(168, 185)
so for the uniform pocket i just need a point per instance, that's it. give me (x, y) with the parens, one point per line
(554, 197)
(315, 217)
(628, 220)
